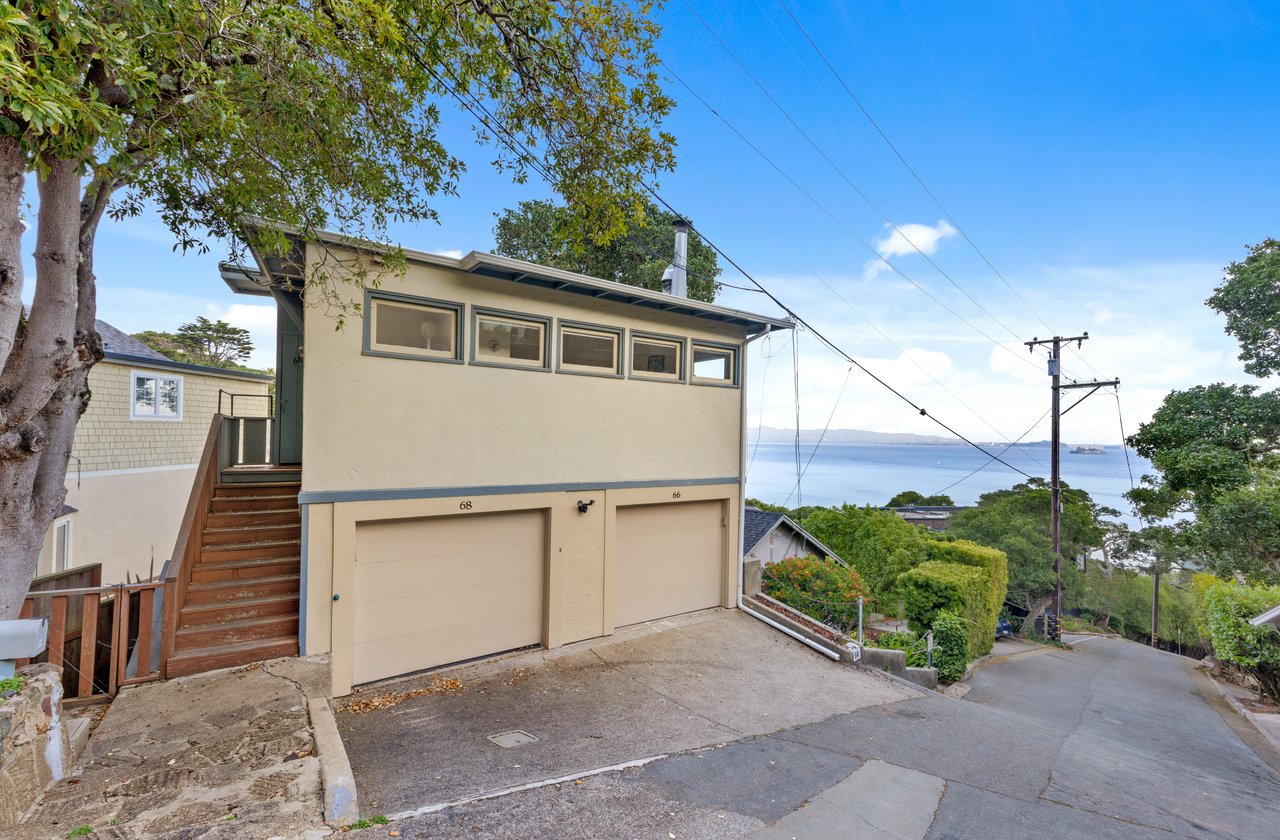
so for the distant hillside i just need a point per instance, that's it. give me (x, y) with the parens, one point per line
(772, 435)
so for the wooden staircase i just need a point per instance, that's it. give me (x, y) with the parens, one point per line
(241, 596)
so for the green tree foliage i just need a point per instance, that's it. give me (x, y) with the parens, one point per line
(877, 543)
(1120, 600)
(542, 232)
(818, 587)
(951, 645)
(1239, 533)
(934, 587)
(1204, 441)
(1250, 298)
(1256, 650)
(765, 506)
(1016, 521)
(202, 342)
(912, 497)
(308, 114)
(907, 642)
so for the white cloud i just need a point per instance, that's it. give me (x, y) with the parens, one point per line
(452, 253)
(259, 320)
(903, 240)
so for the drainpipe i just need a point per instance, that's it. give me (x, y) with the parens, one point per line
(742, 497)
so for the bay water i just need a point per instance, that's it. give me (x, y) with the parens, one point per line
(870, 474)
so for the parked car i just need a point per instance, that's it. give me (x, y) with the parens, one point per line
(1004, 627)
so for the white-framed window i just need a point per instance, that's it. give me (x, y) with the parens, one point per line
(715, 364)
(62, 544)
(405, 327)
(156, 396)
(589, 349)
(657, 357)
(510, 339)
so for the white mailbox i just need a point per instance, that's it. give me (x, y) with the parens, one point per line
(21, 638)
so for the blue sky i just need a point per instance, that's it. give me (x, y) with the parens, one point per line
(1108, 159)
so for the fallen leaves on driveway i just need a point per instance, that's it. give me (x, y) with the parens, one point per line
(439, 685)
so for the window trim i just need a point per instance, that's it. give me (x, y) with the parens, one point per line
(459, 329)
(478, 312)
(156, 375)
(59, 523)
(619, 334)
(735, 354)
(679, 377)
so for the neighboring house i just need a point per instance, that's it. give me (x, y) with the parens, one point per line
(933, 517)
(135, 455)
(1271, 616)
(499, 455)
(768, 537)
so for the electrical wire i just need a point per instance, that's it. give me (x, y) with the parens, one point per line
(795, 491)
(840, 171)
(1002, 451)
(528, 158)
(1124, 440)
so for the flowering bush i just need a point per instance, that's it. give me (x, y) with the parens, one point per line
(820, 588)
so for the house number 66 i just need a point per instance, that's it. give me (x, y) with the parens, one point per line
(675, 495)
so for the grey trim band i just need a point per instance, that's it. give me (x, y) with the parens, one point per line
(316, 497)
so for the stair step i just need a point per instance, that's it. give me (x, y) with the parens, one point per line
(229, 655)
(256, 488)
(291, 531)
(247, 549)
(236, 590)
(231, 632)
(234, 609)
(249, 518)
(238, 503)
(245, 569)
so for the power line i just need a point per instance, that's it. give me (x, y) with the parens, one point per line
(527, 157)
(840, 222)
(1002, 451)
(1124, 440)
(830, 417)
(840, 171)
(885, 137)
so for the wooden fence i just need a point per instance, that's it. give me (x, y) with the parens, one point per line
(101, 636)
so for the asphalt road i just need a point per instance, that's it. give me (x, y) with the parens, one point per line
(1111, 740)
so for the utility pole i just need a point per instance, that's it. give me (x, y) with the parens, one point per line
(1055, 458)
(1155, 608)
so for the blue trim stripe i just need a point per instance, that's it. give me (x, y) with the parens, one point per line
(316, 497)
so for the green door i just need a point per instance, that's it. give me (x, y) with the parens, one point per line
(287, 442)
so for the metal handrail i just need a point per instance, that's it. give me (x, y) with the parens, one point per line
(271, 405)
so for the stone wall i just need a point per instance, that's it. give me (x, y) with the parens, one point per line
(29, 760)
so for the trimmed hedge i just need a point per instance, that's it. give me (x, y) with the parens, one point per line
(995, 566)
(1227, 608)
(950, 645)
(820, 588)
(934, 587)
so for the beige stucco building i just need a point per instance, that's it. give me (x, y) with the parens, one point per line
(135, 455)
(499, 455)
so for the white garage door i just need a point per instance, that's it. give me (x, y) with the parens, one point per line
(670, 560)
(444, 589)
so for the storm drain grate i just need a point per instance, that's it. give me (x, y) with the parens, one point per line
(515, 738)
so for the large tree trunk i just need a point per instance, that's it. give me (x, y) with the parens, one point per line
(45, 362)
(1033, 612)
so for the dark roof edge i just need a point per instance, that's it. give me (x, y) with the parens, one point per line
(170, 364)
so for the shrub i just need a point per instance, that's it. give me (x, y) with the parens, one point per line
(995, 566)
(950, 645)
(878, 544)
(1227, 609)
(820, 588)
(907, 641)
(933, 587)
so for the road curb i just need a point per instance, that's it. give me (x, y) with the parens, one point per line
(1239, 708)
(341, 806)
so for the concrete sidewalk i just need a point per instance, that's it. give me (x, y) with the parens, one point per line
(228, 754)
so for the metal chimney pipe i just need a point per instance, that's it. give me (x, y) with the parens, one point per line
(679, 278)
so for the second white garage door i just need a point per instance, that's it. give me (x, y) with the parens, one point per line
(670, 560)
(444, 589)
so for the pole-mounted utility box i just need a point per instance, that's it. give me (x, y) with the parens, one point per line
(21, 638)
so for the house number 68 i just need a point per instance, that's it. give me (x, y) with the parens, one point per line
(464, 505)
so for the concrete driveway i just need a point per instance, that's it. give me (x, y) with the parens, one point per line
(670, 686)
